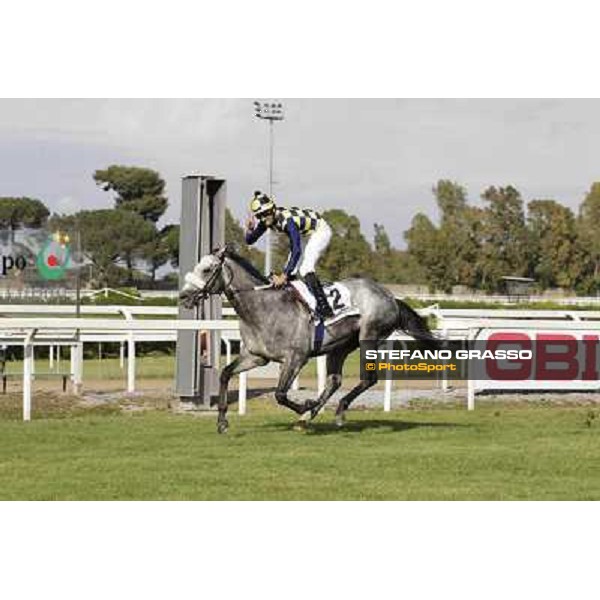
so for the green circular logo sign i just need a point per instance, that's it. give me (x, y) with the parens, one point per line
(53, 259)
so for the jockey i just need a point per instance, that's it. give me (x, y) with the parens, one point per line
(294, 222)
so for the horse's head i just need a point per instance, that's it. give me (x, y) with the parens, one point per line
(205, 279)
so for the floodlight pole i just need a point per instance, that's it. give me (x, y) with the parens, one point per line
(270, 112)
(78, 280)
(270, 158)
(268, 249)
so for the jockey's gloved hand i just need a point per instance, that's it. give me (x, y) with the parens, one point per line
(279, 280)
(250, 223)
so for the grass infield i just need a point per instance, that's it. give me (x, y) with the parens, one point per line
(140, 450)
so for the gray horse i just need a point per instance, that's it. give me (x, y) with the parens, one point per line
(276, 326)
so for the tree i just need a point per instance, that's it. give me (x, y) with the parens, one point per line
(553, 242)
(137, 190)
(134, 236)
(428, 246)
(382, 255)
(447, 253)
(465, 244)
(451, 199)
(460, 233)
(171, 240)
(349, 253)
(16, 213)
(382, 241)
(391, 265)
(504, 245)
(588, 225)
(157, 251)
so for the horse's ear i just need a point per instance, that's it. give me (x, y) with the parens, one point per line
(230, 248)
(223, 251)
(226, 250)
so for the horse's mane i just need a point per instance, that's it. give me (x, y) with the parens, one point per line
(246, 265)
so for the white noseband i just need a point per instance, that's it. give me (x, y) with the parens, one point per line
(193, 279)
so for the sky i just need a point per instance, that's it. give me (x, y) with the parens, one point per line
(377, 159)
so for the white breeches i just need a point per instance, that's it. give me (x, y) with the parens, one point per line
(315, 247)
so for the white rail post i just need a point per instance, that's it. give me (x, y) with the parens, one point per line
(77, 367)
(72, 362)
(27, 375)
(130, 363)
(242, 393)
(470, 382)
(122, 354)
(444, 362)
(58, 358)
(51, 358)
(387, 396)
(227, 349)
(470, 395)
(321, 374)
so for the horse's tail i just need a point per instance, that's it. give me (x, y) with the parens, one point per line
(412, 323)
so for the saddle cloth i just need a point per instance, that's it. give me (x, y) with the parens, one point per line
(338, 296)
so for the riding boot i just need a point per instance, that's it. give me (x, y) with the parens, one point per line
(323, 309)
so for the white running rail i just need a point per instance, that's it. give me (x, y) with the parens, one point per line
(23, 325)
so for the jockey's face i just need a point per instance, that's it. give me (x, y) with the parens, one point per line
(268, 219)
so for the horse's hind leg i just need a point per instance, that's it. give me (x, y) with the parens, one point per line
(347, 400)
(335, 364)
(368, 333)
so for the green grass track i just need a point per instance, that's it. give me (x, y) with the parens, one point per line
(516, 452)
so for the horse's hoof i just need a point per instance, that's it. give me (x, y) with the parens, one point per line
(222, 426)
(301, 425)
(340, 421)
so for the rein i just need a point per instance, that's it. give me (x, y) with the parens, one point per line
(256, 288)
(206, 292)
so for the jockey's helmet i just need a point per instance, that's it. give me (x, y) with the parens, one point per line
(261, 205)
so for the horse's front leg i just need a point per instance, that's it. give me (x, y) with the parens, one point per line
(290, 369)
(244, 362)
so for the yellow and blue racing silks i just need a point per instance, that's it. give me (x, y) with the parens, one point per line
(294, 222)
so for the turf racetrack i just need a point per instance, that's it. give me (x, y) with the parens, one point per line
(434, 453)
